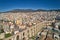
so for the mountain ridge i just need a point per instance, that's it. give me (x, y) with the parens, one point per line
(28, 10)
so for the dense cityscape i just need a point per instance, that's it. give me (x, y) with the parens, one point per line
(39, 25)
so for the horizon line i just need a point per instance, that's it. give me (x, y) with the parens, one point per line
(29, 8)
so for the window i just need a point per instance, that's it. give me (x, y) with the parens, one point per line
(28, 31)
(23, 33)
(24, 38)
(17, 38)
(9, 39)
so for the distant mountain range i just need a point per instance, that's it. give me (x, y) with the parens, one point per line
(28, 10)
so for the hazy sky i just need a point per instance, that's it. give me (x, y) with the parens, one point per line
(29, 4)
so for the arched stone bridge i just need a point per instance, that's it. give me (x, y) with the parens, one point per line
(29, 32)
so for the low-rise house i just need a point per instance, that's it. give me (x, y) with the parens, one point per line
(6, 28)
(2, 35)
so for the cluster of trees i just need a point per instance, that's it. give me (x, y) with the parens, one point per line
(1, 29)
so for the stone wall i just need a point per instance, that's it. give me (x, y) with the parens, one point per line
(26, 34)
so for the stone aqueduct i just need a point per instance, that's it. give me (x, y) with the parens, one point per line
(26, 34)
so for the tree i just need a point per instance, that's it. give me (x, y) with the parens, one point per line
(53, 24)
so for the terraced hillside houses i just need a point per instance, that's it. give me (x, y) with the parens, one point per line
(24, 25)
